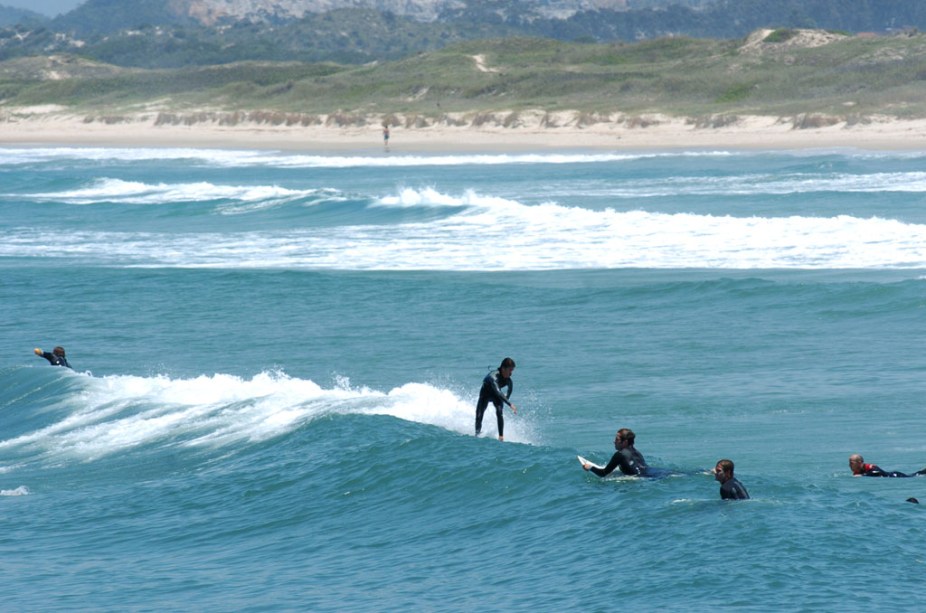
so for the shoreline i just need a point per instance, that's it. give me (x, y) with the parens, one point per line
(529, 132)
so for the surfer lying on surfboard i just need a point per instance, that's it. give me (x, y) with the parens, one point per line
(626, 458)
(860, 469)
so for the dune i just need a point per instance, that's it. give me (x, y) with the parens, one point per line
(478, 131)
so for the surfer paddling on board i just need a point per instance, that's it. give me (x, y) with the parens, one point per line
(626, 458)
(730, 487)
(860, 469)
(491, 391)
(55, 358)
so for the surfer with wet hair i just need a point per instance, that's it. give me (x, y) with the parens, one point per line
(730, 487)
(55, 358)
(491, 391)
(626, 458)
(860, 469)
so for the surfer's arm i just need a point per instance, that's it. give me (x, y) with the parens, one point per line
(607, 470)
(44, 354)
(508, 396)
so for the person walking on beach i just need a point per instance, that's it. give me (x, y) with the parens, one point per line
(860, 469)
(55, 358)
(730, 487)
(491, 391)
(386, 136)
(626, 457)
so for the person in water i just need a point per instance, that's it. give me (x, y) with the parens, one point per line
(730, 487)
(860, 469)
(626, 457)
(55, 358)
(491, 391)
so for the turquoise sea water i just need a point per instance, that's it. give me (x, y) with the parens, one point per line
(277, 358)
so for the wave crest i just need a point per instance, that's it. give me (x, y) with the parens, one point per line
(115, 414)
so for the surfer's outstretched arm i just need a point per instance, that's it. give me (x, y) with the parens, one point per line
(607, 470)
(47, 355)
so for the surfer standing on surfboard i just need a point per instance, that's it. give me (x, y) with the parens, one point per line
(627, 458)
(491, 391)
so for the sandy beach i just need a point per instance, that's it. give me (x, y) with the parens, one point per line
(499, 131)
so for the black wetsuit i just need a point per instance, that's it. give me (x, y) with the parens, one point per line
(873, 470)
(492, 392)
(733, 490)
(55, 360)
(628, 459)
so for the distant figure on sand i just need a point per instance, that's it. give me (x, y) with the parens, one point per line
(386, 135)
(491, 391)
(626, 458)
(730, 487)
(55, 358)
(860, 469)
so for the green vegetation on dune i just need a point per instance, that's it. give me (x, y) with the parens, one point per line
(786, 73)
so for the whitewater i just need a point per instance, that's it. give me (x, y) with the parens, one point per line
(277, 357)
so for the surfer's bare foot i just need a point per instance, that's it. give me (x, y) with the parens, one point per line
(501, 438)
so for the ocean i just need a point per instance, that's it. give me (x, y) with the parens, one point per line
(276, 358)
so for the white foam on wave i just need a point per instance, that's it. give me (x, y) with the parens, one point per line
(134, 192)
(33, 155)
(237, 158)
(249, 198)
(495, 234)
(751, 185)
(232, 158)
(758, 184)
(117, 413)
(913, 182)
(430, 197)
(401, 161)
(427, 404)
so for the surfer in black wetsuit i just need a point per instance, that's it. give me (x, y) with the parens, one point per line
(626, 458)
(491, 391)
(55, 358)
(860, 469)
(730, 487)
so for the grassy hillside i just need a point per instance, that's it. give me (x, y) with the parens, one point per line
(784, 72)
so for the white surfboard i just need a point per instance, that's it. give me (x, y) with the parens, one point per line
(583, 462)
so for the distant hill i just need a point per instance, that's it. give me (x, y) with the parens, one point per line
(10, 16)
(95, 15)
(175, 33)
(102, 17)
(804, 77)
